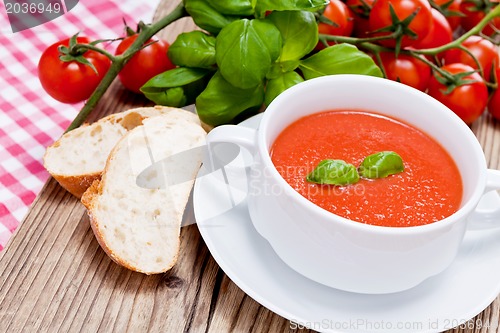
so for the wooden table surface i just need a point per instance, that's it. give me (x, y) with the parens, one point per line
(54, 277)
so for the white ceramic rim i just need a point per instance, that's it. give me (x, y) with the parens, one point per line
(461, 213)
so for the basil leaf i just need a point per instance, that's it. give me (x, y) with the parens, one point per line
(221, 102)
(176, 87)
(279, 84)
(381, 165)
(207, 17)
(172, 97)
(245, 51)
(272, 5)
(269, 35)
(193, 49)
(339, 59)
(334, 172)
(233, 7)
(174, 78)
(299, 32)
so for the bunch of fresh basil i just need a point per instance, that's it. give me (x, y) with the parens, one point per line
(246, 58)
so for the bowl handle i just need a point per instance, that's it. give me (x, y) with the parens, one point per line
(242, 136)
(224, 160)
(224, 144)
(487, 212)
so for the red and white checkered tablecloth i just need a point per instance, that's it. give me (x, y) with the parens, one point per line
(30, 120)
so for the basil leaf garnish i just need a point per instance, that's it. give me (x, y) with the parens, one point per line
(381, 165)
(334, 172)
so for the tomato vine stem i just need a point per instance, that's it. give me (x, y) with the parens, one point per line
(85, 47)
(147, 31)
(355, 40)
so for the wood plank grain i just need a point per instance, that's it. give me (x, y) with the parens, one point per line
(55, 278)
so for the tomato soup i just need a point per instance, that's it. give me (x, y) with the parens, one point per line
(429, 189)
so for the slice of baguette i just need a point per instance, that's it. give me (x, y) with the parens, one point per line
(139, 228)
(79, 156)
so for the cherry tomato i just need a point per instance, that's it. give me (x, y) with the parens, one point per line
(451, 11)
(360, 11)
(474, 12)
(468, 101)
(406, 69)
(148, 62)
(337, 12)
(439, 34)
(380, 17)
(484, 51)
(71, 81)
(494, 102)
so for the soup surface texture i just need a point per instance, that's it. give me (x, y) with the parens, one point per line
(428, 190)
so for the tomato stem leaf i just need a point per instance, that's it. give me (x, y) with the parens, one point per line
(81, 59)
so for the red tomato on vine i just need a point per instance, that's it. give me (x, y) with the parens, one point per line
(146, 63)
(468, 98)
(406, 69)
(71, 78)
(474, 12)
(360, 11)
(381, 18)
(494, 102)
(451, 10)
(483, 50)
(337, 12)
(439, 34)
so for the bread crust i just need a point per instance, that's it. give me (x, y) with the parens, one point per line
(77, 185)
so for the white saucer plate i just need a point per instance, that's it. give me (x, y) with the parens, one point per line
(440, 303)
